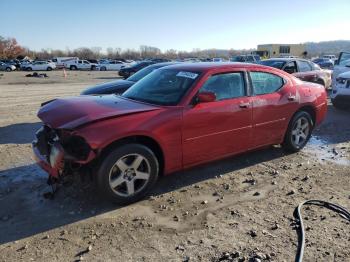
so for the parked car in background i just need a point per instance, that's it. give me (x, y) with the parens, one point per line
(302, 69)
(40, 66)
(120, 86)
(342, 65)
(340, 95)
(7, 67)
(324, 62)
(111, 65)
(217, 59)
(127, 71)
(14, 62)
(246, 58)
(60, 61)
(332, 57)
(81, 65)
(170, 120)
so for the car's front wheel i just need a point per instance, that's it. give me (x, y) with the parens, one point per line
(29, 69)
(127, 173)
(103, 68)
(49, 68)
(298, 132)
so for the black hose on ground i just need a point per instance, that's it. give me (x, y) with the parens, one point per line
(339, 209)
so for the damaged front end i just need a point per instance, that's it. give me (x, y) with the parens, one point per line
(61, 152)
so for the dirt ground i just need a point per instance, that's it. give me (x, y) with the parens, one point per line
(238, 209)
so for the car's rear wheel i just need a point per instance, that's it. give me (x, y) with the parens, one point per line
(73, 67)
(298, 132)
(93, 67)
(103, 68)
(127, 173)
(29, 69)
(8, 69)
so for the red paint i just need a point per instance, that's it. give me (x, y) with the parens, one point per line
(189, 134)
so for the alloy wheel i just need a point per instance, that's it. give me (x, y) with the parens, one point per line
(129, 175)
(300, 131)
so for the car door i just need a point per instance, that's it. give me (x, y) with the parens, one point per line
(274, 101)
(86, 64)
(215, 129)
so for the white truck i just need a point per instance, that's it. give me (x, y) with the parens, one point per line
(60, 61)
(81, 65)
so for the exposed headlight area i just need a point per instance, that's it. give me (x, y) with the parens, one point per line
(61, 145)
(76, 148)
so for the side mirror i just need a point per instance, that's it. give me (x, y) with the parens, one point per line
(205, 97)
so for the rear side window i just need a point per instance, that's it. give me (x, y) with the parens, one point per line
(225, 86)
(304, 66)
(265, 83)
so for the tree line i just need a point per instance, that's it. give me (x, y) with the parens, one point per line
(10, 49)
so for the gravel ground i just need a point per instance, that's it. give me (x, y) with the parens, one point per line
(238, 209)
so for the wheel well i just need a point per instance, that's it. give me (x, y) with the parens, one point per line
(143, 140)
(311, 111)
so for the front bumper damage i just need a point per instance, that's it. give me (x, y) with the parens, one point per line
(59, 153)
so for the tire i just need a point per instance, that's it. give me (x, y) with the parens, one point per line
(8, 69)
(296, 129)
(103, 68)
(49, 68)
(29, 69)
(72, 67)
(93, 67)
(117, 167)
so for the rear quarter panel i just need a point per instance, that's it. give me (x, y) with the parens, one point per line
(314, 95)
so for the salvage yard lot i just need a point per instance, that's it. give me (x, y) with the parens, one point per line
(243, 205)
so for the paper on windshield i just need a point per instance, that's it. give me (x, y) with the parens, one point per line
(187, 74)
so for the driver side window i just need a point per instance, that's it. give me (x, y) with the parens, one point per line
(225, 86)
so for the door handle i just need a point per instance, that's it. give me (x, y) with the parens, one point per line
(292, 98)
(244, 105)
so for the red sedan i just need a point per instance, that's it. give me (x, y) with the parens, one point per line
(177, 117)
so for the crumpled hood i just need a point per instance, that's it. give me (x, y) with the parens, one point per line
(69, 113)
(117, 86)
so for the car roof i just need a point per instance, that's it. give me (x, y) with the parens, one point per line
(208, 66)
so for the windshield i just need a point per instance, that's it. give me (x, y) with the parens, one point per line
(273, 63)
(162, 87)
(141, 74)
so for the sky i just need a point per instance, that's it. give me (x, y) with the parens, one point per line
(172, 24)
